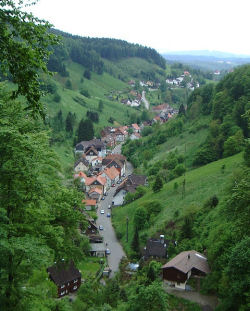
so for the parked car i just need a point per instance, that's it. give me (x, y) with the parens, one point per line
(103, 197)
(101, 227)
(102, 211)
(108, 251)
(113, 185)
(108, 214)
(109, 206)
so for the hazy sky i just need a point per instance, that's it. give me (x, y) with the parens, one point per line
(166, 25)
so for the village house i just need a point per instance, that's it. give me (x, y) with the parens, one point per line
(66, 277)
(96, 182)
(119, 164)
(95, 194)
(111, 174)
(89, 204)
(135, 136)
(187, 264)
(109, 140)
(135, 127)
(99, 146)
(120, 137)
(128, 185)
(156, 248)
(91, 153)
(81, 165)
(98, 249)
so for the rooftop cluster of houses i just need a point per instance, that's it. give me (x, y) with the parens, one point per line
(163, 113)
(111, 136)
(134, 99)
(97, 170)
(178, 82)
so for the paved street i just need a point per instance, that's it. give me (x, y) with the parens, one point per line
(146, 103)
(108, 233)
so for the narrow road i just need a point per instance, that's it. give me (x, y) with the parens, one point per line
(108, 232)
(146, 103)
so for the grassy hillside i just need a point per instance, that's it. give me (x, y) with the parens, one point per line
(201, 184)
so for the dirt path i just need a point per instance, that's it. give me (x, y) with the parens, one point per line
(207, 303)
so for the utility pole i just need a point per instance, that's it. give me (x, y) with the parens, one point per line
(127, 230)
(184, 181)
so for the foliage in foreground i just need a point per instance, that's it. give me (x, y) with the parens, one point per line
(39, 218)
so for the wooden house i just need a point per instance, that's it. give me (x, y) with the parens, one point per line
(187, 264)
(66, 277)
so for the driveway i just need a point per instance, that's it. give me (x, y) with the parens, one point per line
(108, 233)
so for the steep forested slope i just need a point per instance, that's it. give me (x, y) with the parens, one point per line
(206, 209)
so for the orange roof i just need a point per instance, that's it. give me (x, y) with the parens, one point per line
(89, 180)
(111, 172)
(89, 202)
(135, 126)
(102, 180)
(98, 190)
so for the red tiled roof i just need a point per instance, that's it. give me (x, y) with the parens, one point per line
(135, 126)
(89, 180)
(102, 180)
(98, 190)
(111, 172)
(89, 202)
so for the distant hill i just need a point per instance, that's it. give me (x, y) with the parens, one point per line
(209, 60)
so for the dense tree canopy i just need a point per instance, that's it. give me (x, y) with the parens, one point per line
(24, 51)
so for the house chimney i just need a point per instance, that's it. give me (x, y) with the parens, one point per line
(162, 238)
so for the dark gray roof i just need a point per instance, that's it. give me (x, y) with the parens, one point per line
(185, 261)
(62, 273)
(97, 143)
(137, 179)
(156, 247)
(131, 183)
(83, 160)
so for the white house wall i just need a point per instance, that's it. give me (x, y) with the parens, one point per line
(119, 198)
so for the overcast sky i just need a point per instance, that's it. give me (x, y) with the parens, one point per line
(166, 25)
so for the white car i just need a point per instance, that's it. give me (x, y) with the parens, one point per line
(108, 251)
(100, 227)
(109, 206)
(102, 211)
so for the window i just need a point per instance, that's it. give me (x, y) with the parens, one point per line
(62, 293)
(63, 286)
(75, 281)
(75, 287)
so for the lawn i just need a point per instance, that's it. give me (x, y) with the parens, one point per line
(90, 266)
(201, 184)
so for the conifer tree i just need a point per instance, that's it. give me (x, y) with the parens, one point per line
(158, 184)
(85, 130)
(135, 244)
